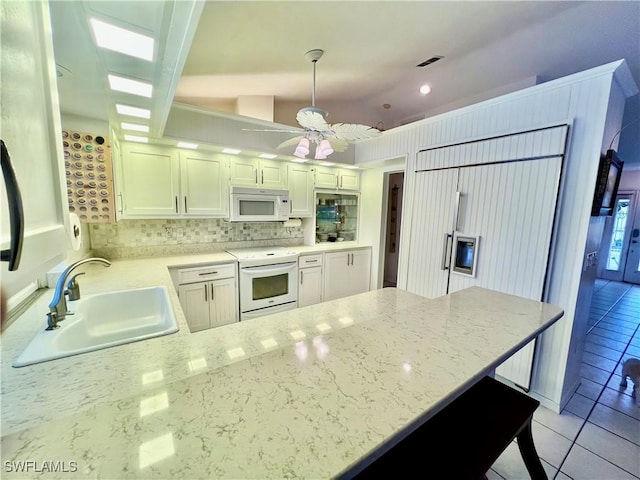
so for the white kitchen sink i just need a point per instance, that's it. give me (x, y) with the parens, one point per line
(102, 321)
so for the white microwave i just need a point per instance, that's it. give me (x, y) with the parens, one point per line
(259, 205)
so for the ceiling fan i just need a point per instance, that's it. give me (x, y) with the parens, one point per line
(328, 138)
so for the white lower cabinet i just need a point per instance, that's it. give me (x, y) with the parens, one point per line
(309, 280)
(346, 273)
(208, 304)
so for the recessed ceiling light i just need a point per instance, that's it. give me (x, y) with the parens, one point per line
(126, 85)
(327, 164)
(299, 160)
(352, 167)
(136, 138)
(122, 40)
(268, 155)
(134, 127)
(187, 145)
(133, 111)
(231, 150)
(425, 89)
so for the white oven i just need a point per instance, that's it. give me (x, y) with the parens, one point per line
(268, 281)
(258, 205)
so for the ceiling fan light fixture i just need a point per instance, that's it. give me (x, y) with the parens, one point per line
(323, 150)
(302, 150)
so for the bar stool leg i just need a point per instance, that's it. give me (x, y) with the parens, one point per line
(529, 454)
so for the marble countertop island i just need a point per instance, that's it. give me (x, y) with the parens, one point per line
(303, 393)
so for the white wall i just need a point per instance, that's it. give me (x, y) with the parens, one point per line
(581, 99)
(373, 212)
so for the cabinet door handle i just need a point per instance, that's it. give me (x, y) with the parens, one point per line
(337, 184)
(205, 293)
(347, 259)
(256, 176)
(262, 177)
(16, 212)
(311, 261)
(121, 207)
(212, 294)
(176, 204)
(301, 277)
(185, 204)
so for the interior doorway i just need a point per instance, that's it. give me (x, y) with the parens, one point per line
(620, 250)
(393, 223)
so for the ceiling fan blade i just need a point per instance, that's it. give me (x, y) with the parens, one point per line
(290, 142)
(312, 121)
(353, 131)
(270, 130)
(338, 144)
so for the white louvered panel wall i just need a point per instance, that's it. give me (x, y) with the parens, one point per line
(583, 96)
(512, 207)
(539, 143)
(428, 227)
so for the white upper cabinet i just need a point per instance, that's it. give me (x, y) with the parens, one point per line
(272, 174)
(253, 172)
(164, 182)
(348, 179)
(203, 185)
(300, 190)
(150, 181)
(31, 131)
(336, 178)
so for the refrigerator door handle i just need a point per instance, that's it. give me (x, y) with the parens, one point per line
(456, 214)
(16, 211)
(445, 252)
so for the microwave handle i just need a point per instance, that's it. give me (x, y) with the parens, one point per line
(16, 212)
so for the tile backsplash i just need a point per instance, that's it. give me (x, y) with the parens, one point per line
(144, 238)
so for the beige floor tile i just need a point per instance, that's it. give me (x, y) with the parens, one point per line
(581, 464)
(623, 425)
(622, 403)
(603, 351)
(511, 466)
(594, 374)
(589, 389)
(551, 446)
(580, 405)
(562, 476)
(566, 424)
(610, 447)
(599, 361)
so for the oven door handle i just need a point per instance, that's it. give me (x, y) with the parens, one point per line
(262, 269)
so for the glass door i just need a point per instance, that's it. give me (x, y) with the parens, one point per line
(617, 235)
(632, 265)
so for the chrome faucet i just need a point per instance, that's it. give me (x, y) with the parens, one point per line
(58, 306)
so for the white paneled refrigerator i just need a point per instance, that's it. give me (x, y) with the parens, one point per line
(488, 225)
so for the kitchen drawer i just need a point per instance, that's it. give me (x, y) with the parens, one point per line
(305, 261)
(210, 272)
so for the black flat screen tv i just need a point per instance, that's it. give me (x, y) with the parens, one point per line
(609, 172)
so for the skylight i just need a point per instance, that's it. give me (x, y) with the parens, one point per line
(127, 85)
(136, 138)
(187, 145)
(233, 151)
(133, 111)
(122, 40)
(135, 127)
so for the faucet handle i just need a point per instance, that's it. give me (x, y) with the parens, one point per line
(73, 288)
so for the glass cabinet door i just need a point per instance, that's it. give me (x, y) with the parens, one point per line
(336, 217)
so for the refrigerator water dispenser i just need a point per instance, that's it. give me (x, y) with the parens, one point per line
(465, 250)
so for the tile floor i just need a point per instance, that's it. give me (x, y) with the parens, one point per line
(597, 435)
